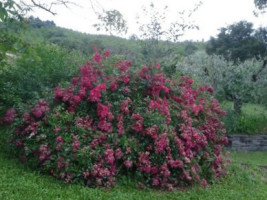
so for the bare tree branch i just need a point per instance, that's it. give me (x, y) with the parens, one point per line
(48, 7)
(43, 6)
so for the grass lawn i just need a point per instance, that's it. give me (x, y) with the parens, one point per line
(247, 108)
(253, 158)
(18, 182)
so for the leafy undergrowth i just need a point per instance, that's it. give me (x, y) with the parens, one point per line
(253, 119)
(18, 182)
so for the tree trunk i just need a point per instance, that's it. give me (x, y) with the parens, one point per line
(255, 76)
(237, 104)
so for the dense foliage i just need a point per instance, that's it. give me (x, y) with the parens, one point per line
(45, 55)
(239, 42)
(11, 22)
(112, 121)
(245, 81)
(238, 83)
(260, 4)
(26, 79)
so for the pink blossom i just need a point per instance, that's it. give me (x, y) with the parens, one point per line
(10, 116)
(77, 99)
(118, 153)
(58, 93)
(40, 108)
(74, 80)
(138, 125)
(128, 164)
(19, 143)
(128, 150)
(202, 89)
(82, 92)
(165, 89)
(44, 153)
(155, 181)
(154, 170)
(109, 156)
(84, 122)
(102, 111)
(86, 174)
(60, 163)
(165, 171)
(56, 129)
(158, 66)
(210, 89)
(75, 145)
(114, 86)
(128, 63)
(177, 99)
(124, 107)
(59, 139)
(204, 182)
(175, 163)
(126, 90)
(152, 132)
(143, 162)
(161, 143)
(106, 53)
(120, 124)
(125, 79)
(97, 57)
(105, 126)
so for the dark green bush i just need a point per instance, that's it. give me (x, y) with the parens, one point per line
(29, 78)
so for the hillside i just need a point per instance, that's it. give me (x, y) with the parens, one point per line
(38, 31)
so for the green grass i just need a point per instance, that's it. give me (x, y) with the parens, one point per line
(248, 109)
(18, 182)
(253, 119)
(253, 158)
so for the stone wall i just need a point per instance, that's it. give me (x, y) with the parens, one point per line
(248, 143)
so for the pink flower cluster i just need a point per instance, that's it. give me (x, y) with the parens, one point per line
(112, 121)
(39, 109)
(10, 116)
(44, 152)
(95, 94)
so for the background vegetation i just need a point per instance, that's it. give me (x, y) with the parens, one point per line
(51, 55)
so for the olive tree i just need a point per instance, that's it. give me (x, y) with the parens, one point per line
(230, 81)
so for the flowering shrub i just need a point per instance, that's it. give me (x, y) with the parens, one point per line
(111, 122)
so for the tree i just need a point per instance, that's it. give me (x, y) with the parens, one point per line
(112, 22)
(237, 42)
(48, 5)
(260, 4)
(157, 29)
(230, 81)
(37, 23)
(10, 16)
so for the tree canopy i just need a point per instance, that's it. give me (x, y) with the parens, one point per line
(261, 4)
(238, 41)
